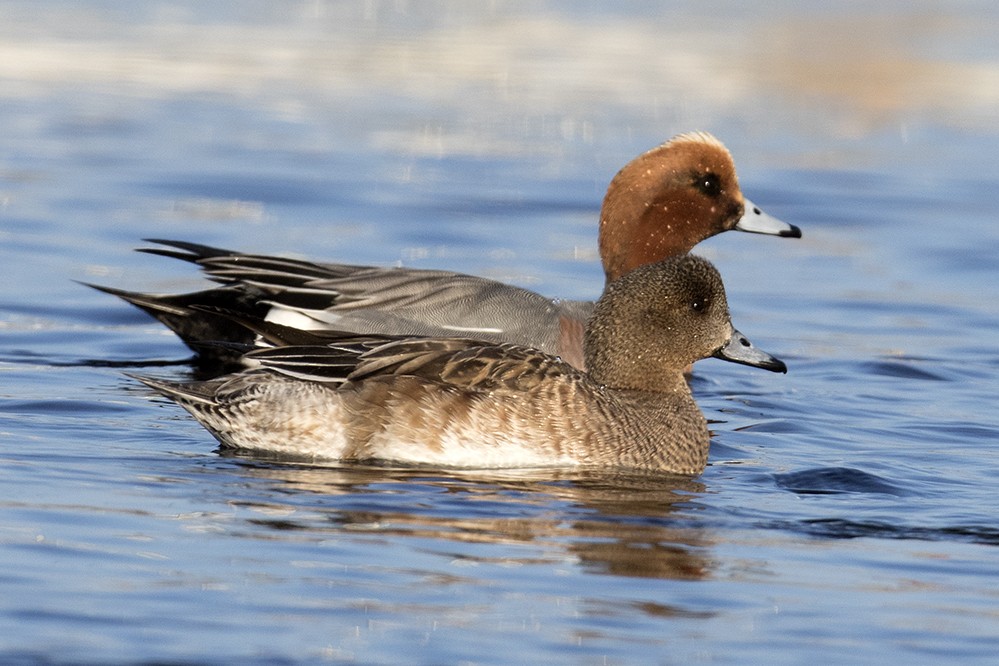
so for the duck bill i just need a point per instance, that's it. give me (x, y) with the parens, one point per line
(755, 221)
(740, 350)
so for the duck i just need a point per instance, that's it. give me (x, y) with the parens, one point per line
(659, 205)
(467, 403)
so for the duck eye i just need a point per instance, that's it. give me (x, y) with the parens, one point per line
(698, 305)
(708, 184)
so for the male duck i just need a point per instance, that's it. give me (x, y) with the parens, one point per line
(659, 205)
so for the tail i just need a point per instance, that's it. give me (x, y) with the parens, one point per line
(214, 322)
(198, 399)
(187, 394)
(190, 316)
(192, 252)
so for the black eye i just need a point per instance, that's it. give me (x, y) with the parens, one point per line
(708, 184)
(698, 305)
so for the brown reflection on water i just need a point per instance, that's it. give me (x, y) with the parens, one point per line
(617, 524)
(878, 67)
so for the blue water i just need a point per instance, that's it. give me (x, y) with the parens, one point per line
(849, 511)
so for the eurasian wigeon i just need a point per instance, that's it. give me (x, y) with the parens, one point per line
(465, 403)
(659, 205)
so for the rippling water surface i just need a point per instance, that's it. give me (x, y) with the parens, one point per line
(849, 511)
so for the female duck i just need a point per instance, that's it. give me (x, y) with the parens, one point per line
(465, 403)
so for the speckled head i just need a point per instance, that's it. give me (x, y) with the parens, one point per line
(652, 323)
(670, 198)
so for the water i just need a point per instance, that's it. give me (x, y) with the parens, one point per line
(849, 511)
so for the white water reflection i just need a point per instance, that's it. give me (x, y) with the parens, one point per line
(874, 65)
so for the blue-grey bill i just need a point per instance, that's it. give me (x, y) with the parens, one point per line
(755, 221)
(740, 350)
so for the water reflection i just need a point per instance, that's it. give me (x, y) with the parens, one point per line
(619, 524)
(877, 67)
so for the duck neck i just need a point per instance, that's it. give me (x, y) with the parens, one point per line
(665, 432)
(631, 238)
